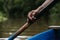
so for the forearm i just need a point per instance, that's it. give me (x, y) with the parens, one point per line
(44, 5)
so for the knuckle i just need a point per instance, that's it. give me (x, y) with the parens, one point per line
(31, 14)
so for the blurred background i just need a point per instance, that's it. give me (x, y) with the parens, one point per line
(13, 14)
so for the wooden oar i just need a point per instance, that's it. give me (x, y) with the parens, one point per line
(29, 22)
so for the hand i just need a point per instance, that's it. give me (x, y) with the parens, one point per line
(31, 14)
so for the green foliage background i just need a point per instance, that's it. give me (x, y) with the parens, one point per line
(20, 8)
(13, 14)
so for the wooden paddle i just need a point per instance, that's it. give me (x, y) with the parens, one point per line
(40, 11)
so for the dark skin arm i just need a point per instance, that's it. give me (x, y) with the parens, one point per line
(32, 13)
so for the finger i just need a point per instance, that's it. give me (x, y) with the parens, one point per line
(30, 15)
(33, 17)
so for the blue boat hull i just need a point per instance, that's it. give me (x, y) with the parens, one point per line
(50, 34)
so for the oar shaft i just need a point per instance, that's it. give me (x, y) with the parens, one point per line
(25, 26)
